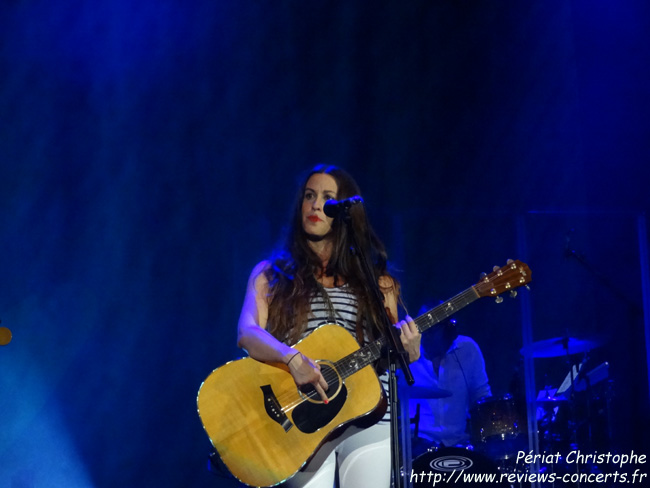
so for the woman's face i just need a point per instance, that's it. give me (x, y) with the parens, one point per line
(320, 188)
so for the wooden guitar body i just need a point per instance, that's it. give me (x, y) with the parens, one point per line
(260, 424)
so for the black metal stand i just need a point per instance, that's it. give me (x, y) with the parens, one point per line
(396, 354)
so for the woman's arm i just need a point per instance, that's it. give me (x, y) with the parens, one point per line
(252, 334)
(261, 345)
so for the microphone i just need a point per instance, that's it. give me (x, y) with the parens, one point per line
(332, 208)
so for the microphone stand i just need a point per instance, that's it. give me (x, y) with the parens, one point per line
(396, 354)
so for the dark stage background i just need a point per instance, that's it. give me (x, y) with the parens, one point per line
(149, 153)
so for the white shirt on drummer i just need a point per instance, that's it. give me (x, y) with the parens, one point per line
(461, 372)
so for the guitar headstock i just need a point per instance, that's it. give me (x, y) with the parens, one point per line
(507, 278)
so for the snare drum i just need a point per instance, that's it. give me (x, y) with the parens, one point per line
(496, 427)
(456, 466)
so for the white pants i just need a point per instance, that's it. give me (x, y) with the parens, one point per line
(363, 458)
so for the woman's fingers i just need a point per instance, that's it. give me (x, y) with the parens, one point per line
(305, 371)
(410, 337)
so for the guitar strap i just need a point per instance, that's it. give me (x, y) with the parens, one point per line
(331, 311)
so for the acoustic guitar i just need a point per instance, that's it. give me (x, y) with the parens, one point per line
(265, 428)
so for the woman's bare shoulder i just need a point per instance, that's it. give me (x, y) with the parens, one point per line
(258, 276)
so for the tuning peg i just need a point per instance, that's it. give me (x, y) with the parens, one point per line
(509, 261)
(498, 299)
(495, 268)
(513, 293)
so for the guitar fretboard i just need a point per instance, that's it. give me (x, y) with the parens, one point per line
(446, 309)
(368, 354)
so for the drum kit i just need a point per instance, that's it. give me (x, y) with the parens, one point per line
(576, 413)
(565, 420)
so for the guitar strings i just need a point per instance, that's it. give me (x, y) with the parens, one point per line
(342, 368)
(291, 399)
(331, 375)
(423, 322)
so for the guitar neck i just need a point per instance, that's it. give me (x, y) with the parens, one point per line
(446, 309)
(368, 354)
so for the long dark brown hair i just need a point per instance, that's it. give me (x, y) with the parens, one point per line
(293, 270)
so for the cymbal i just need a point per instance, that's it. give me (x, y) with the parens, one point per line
(558, 346)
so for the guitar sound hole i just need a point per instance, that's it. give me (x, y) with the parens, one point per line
(313, 414)
(332, 379)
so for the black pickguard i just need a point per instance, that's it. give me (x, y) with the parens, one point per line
(308, 417)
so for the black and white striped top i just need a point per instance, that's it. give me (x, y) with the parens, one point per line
(345, 307)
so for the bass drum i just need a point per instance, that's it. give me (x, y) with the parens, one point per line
(497, 427)
(455, 466)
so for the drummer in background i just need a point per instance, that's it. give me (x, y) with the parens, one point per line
(449, 378)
